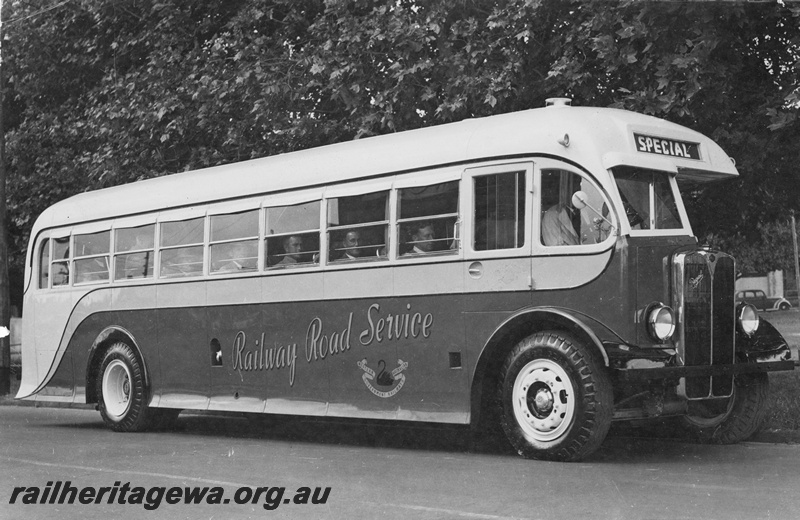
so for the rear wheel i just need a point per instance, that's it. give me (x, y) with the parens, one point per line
(556, 398)
(122, 394)
(735, 419)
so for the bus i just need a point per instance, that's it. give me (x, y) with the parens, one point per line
(533, 272)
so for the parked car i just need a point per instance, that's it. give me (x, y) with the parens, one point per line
(761, 301)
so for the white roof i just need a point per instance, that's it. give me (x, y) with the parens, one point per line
(599, 138)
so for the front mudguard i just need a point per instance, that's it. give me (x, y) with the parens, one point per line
(766, 344)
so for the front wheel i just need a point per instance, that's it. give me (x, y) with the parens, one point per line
(121, 391)
(556, 398)
(739, 418)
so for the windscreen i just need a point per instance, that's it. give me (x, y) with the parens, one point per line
(648, 199)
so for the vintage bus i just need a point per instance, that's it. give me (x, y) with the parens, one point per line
(534, 270)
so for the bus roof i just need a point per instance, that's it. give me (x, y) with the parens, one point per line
(599, 138)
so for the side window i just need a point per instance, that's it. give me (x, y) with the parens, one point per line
(44, 263)
(59, 267)
(562, 223)
(182, 248)
(358, 227)
(91, 257)
(292, 236)
(134, 252)
(499, 211)
(234, 242)
(428, 219)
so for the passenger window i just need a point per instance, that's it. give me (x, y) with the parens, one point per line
(234, 242)
(91, 257)
(182, 248)
(44, 264)
(135, 252)
(59, 268)
(292, 237)
(562, 223)
(499, 211)
(428, 219)
(358, 227)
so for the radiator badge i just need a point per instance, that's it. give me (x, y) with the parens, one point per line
(394, 379)
(694, 283)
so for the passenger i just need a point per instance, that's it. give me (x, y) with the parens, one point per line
(293, 249)
(557, 228)
(60, 274)
(351, 243)
(422, 239)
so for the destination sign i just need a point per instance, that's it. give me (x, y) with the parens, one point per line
(670, 147)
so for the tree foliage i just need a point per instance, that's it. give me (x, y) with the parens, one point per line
(103, 92)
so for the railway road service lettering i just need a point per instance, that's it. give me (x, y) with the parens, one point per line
(320, 346)
(261, 358)
(322, 342)
(395, 326)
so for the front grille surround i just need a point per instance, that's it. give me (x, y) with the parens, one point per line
(703, 294)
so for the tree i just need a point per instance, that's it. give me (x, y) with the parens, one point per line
(103, 93)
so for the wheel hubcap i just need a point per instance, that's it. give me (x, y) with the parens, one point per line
(540, 400)
(543, 400)
(117, 389)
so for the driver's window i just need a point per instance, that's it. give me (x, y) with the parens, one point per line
(562, 223)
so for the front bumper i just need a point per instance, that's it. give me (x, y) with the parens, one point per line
(675, 372)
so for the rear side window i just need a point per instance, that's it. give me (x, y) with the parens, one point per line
(44, 264)
(59, 265)
(292, 235)
(182, 248)
(234, 242)
(92, 257)
(358, 227)
(428, 219)
(135, 252)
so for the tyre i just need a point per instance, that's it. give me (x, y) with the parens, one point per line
(785, 306)
(556, 398)
(122, 395)
(740, 416)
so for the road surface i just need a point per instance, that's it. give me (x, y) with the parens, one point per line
(373, 472)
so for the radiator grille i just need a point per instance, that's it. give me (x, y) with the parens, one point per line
(705, 299)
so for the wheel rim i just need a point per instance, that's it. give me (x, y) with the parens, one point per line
(117, 388)
(543, 400)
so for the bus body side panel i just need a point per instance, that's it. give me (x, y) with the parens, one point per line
(261, 364)
(52, 311)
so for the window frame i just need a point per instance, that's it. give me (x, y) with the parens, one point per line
(116, 254)
(82, 258)
(294, 199)
(356, 189)
(42, 264)
(398, 223)
(251, 238)
(467, 204)
(181, 216)
(686, 227)
(539, 248)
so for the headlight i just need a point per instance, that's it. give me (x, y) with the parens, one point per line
(660, 322)
(747, 319)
